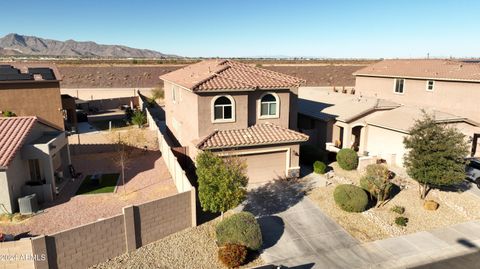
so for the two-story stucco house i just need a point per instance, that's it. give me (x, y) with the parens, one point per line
(233, 108)
(389, 97)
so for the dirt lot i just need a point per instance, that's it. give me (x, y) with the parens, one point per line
(124, 76)
(192, 248)
(378, 223)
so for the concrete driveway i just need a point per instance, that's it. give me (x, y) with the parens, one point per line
(297, 233)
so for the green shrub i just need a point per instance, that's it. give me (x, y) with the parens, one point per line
(309, 154)
(401, 221)
(242, 229)
(377, 181)
(350, 198)
(347, 159)
(319, 167)
(8, 114)
(232, 255)
(398, 209)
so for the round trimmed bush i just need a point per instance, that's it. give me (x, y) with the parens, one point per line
(232, 255)
(347, 159)
(350, 198)
(241, 229)
(319, 167)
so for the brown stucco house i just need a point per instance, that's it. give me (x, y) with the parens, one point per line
(389, 97)
(233, 108)
(32, 89)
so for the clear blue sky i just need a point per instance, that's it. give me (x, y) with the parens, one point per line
(228, 28)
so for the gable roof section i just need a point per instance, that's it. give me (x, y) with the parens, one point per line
(216, 75)
(324, 104)
(404, 117)
(439, 69)
(13, 133)
(260, 134)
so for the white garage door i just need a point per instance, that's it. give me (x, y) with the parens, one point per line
(264, 167)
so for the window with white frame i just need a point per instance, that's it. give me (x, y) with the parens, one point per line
(268, 105)
(223, 109)
(430, 85)
(399, 85)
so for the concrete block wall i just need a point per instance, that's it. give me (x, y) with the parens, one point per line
(86, 245)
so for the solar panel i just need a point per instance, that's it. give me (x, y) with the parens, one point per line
(9, 73)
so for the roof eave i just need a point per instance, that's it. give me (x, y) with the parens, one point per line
(254, 145)
(415, 77)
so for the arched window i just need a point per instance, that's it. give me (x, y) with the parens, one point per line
(223, 108)
(268, 105)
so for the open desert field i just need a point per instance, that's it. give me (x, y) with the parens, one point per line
(142, 76)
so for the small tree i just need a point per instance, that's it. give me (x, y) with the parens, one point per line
(124, 141)
(377, 182)
(222, 182)
(139, 118)
(435, 154)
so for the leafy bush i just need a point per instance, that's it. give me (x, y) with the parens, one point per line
(242, 229)
(377, 181)
(319, 167)
(8, 114)
(398, 209)
(401, 221)
(350, 198)
(232, 255)
(347, 159)
(139, 118)
(309, 154)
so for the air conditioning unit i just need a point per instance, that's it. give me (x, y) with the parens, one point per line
(28, 204)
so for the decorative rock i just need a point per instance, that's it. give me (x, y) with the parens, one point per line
(430, 205)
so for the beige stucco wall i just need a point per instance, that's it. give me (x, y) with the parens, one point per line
(17, 174)
(386, 144)
(459, 98)
(33, 99)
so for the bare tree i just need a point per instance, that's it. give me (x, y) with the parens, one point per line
(126, 142)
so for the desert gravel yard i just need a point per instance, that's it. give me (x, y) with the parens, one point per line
(192, 248)
(378, 223)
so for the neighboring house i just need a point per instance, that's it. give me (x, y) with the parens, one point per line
(34, 158)
(389, 96)
(445, 85)
(236, 109)
(32, 90)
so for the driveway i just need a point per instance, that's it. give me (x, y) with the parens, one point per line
(297, 233)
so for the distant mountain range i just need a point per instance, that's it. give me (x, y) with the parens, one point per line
(20, 45)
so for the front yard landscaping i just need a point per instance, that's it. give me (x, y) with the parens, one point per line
(194, 247)
(93, 184)
(405, 208)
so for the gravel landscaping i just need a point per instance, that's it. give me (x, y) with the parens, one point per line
(192, 248)
(379, 223)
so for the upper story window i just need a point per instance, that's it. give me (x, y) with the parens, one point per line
(269, 106)
(223, 109)
(430, 85)
(399, 85)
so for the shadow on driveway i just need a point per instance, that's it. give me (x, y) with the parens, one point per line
(276, 196)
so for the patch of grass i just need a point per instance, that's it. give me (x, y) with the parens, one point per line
(15, 218)
(106, 184)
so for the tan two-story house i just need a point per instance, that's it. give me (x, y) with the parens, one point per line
(233, 108)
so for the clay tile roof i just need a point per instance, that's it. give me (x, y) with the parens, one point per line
(456, 70)
(13, 132)
(214, 75)
(260, 134)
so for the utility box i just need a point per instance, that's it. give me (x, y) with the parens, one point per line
(28, 204)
